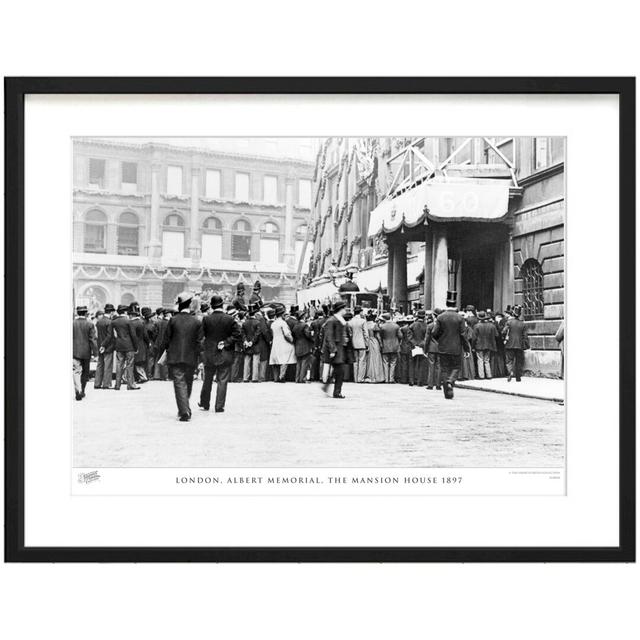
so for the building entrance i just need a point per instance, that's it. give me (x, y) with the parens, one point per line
(477, 271)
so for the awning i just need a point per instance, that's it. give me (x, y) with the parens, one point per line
(444, 201)
(319, 292)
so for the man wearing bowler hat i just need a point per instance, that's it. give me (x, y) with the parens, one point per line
(333, 347)
(221, 333)
(125, 344)
(84, 346)
(104, 366)
(182, 340)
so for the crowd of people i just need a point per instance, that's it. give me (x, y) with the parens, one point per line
(253, 341)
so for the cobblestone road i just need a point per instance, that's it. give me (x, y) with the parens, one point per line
(291, 425)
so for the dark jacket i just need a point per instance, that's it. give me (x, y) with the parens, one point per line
(291, 322)
(430, 343)
(318, 333)
(161, 330)
(152, 332)
(303, 339)
(103, 329)
(256, 298)
(266, 338)
(484, 336)
(183, 339)
(405, 342)
(143, 339)
(450, 332)
(219, 327)
(123, 335)
(251, 332)
(390, 337)
(417, 333)
(335, 341)
(515, 334)
(84, 339)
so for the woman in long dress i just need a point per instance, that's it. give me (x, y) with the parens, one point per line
(375, 368)
(467, 367)
(282, 350)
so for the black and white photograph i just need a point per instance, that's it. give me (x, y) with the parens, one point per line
(322, 302)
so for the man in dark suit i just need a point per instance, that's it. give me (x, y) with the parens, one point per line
(515, 342)
(303, 344)
(449, 331)
(333, 347)
(140, 357)
(485, 335)
(416, 333)
(221, 333)
(431, 350)
(151, 327)
(390, 337)
(316, 328)
(125, 345)
(84, 346)
(182, 340)
(160, 369)
(251, 337)
(104, 366)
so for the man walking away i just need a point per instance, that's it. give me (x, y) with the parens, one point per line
(450, 332)
(221, 333)
(84, 346)
(360, 339)
(333, 347)
(484, 340)
(515, 342)
(251, 337)
(104, 366)
(303, 344)
(125, 345)
(390, 337)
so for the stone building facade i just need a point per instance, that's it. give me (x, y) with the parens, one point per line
(151, 218)
(480, 220)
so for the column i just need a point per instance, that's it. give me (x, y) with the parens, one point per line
(400, 275)
(390, 265)
(289, 250)
(507, 274)
(194, 235)
(440, 274)
(428, 268)
(112, 237)
(154, 248)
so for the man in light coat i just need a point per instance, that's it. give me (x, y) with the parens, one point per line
(360, 340)
(282, 349)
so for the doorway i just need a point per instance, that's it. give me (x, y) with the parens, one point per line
(477, 283)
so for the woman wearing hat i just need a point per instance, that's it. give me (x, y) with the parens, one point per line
(375, 366)
(282, 349)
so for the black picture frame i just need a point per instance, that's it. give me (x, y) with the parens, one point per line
(15, 91)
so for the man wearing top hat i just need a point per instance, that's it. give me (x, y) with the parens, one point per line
(125, 344)
(515, 342)
(84, 346)
(333, 347)
(360, 341)
(221, 332)
(182, 340)
(104, 366)
(450, 332)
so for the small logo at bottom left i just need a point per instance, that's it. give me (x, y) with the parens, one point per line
(88, 477)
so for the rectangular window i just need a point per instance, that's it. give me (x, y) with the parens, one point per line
(96, 173)
(172, 245)
(242, 187)
(541, 150)
(94, 238)
(129, 177)
(174, 181)
(241, 248)
(211, 248)
(270, 189)
(128, 241)
(304, 193)
(212, 186)
(269, 250)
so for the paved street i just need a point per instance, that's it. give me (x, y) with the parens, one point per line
(290, 425)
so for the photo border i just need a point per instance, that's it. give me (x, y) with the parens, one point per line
(15, 91)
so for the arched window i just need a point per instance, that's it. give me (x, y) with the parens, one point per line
(95, 236)
(174, 220)
(128, 234)
(532, 290)
(212, 241)
(270, 243)
(241, 241)
(213, 224)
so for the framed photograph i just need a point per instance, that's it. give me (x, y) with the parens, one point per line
(320, 319)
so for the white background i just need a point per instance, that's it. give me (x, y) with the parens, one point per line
(346, 601)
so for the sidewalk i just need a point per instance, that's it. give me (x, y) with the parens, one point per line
(539, 388)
